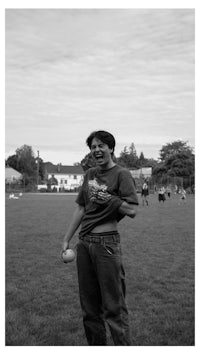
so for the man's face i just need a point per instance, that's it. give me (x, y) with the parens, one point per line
(101, 153)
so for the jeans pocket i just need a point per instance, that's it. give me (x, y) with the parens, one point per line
(112, 248)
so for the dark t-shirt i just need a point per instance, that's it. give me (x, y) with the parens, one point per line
(117, 182)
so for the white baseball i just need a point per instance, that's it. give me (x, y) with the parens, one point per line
(68, 255)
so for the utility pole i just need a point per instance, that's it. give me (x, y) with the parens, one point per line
(38, 168)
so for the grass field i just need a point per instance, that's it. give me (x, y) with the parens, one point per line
(42, 301)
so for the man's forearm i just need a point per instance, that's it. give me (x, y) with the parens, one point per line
(75, 223)
(127, 210)
(123, 207)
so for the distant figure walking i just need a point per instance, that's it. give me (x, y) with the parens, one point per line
(161, 194)
(168, 191)
(183, 195)
(145, 194)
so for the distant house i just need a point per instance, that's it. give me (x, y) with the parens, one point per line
(139, 175)
(142, 172)
(12, 175)
(68, 177)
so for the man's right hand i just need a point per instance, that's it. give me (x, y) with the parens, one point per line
(65, 245)
(127, 210)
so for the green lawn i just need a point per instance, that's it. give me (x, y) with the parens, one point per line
(42, 301)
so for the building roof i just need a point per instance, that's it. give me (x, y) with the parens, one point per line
(12, 173)
(64, 169)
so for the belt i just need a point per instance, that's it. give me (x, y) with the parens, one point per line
(101, 237)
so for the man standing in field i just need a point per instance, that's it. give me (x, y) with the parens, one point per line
(106, 196)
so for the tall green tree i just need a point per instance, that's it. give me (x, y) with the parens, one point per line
(181, 164)
(24, 161)
(12, 161)
(151, 162)
(172, 149)
(128, 157)
(176, 159)
(142, 161)
(159, 170)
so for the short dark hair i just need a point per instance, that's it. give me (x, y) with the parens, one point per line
(103, 136)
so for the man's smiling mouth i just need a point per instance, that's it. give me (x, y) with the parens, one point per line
(99, 157)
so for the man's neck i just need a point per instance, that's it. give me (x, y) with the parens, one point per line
(107, 166)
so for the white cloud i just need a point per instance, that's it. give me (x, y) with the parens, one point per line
(69, 72)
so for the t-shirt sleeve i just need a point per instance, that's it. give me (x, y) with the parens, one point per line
(80, 200)
(127, 191)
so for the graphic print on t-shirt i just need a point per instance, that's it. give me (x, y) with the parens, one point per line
(96, 191)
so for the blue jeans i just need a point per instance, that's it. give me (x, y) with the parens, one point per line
(102, 288)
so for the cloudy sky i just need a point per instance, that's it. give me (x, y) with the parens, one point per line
(69, 72)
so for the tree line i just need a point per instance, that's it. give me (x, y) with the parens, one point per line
(176, 159)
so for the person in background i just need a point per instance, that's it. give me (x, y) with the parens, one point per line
(145, 193)
(107, 195)
(168, 191)
(161, 194)
(183, 195)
